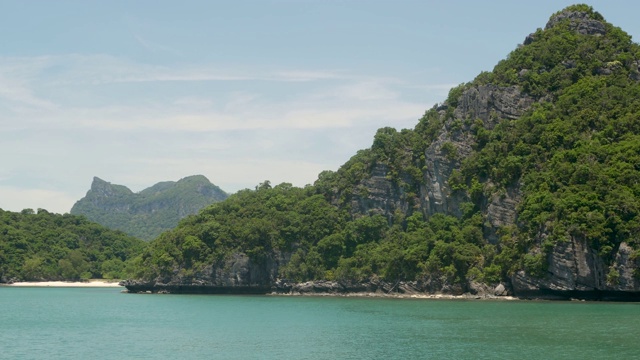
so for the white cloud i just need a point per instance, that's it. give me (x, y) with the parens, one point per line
(73, 117)
(74, 69)
(297, 75)
(17, 199)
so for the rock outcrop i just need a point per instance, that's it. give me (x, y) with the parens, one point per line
(577, 271)
(579, 21)
(237, 274)
(377, 194)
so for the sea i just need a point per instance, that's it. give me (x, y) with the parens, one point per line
(105, 323)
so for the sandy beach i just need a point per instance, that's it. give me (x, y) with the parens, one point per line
(90, 283)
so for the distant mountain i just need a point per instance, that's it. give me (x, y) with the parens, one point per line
(151, 211)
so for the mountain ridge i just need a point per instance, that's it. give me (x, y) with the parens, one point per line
(147, 213)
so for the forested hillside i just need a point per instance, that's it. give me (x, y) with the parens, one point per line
(151, 211)
(44, 246)
(526, 177)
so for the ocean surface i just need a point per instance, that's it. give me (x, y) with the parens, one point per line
(103, 323)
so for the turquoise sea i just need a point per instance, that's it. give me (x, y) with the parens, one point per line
(103, 323)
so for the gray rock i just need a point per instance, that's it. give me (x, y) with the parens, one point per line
(579, 21)
(491, 104)
(625, 266)
(576, 270)
(478, 288)
(378, 195)
(501, 211)
(529, 39)
(500, 290)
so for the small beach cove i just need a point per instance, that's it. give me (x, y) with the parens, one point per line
(63, 284)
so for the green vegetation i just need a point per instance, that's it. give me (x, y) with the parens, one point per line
(574, 155)
(577, 151)
(46, 246)
(324, 242)
(150, 212)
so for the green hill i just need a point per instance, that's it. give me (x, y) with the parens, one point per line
(153, 210)
(46, 246)
(524, 181)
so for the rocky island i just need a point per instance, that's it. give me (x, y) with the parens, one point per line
(524, 182)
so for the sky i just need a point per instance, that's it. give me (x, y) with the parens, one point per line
(138, 92)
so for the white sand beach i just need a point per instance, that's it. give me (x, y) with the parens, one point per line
(90, 283)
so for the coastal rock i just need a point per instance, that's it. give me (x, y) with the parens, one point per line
(624, 265)
(577, 271)
(478, 288)
(238, 273)
(371, 287)
(500, 290)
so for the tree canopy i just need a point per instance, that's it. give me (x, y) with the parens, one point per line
(45, 246)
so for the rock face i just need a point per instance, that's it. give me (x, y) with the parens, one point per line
(491, 103)
(148, 213)
(579, 22)
(381, 195)
(501, 211)
(372, 286)
(488, 103)
(454, 143)
(576, 270)
(238, 274)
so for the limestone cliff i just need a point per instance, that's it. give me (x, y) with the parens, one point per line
(534, 165)
(237, 274)
(573, 268)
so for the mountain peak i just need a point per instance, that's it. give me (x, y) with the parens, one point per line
(147, 213)
(580, 18)
(104, 188)
(97, 182)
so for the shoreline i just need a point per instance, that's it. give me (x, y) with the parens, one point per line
(402, 296)
(60, 284)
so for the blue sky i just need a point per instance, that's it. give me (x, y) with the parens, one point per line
(138, 92)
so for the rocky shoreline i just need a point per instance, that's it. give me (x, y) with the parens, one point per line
(399, 290)
(376, 288)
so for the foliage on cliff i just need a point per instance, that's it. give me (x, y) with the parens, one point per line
(150, 212)
(46, 246)
(572, 152)
(575, 153)
(323, 241)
